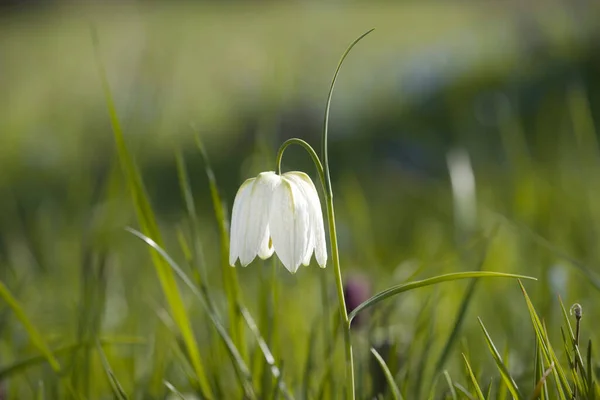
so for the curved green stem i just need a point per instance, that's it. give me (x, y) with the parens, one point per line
(333, 235)
(328, 189)
(325, 178)
(309, 149)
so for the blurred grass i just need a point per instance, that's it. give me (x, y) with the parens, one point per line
(234, 70)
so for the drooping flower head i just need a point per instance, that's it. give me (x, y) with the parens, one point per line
(281, 214)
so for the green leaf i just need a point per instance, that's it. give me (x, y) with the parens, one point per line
(478, 391)
(244, 374)
(262, 344)
(562, 385)
(149, 227)
(508, 380)
(116, 387)
(35, 337)
(396, 395)
(538, 390)
(229, 274)
(394, 290)
(450, 385)
(174, 390)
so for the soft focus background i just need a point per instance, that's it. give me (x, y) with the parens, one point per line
(515, 85)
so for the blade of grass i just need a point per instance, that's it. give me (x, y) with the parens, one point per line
(115, 385)
(149, 226)
(230, 279)
(174, 390)
(35, 337)
(478, 391)
(508, 380)
(270, 360)
(488, 395)
(244, 373)
(537, 391)
(562, 385)
(394, 290)
(503, 389)
(450, 385)
(464, 391)
(186, 191)
(396, 395)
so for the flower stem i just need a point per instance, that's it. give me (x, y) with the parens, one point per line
(342, 301)
(325, 178)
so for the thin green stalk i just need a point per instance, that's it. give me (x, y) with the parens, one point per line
(323, 170)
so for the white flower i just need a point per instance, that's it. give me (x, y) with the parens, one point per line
(281, 214)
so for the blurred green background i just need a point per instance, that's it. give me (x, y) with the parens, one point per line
(516, 84)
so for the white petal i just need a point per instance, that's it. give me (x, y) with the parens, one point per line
(256, 217)
(316, 216)
(305, 191)
(236, 232)
(289, 224)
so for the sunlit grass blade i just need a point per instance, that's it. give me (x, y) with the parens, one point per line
(264, 348)
(36, 338)
(115, 385)
(508, 380)
(396, 395)
(561, 383)
(488, 392)
(464, 392)
(541, 389)
(149, 227)
(450, 385)
(474, 382)
(174, 390)
(503, 389)
(241, 368)
(230, 279)
(197, 255)
(430, 281)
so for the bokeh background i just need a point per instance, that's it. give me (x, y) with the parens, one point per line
(514, 84)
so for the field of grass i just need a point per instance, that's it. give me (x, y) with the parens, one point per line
(91, 165)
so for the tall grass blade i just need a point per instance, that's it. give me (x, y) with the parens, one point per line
(115, 385)
(270, 360)
(562, 386)
(230, 279)
(474, 382)
(538, 390)
(508, 380)
(36, 338)
(197, 254)
(174, 390)
(241, 368)
(149, 227)
(394, 290)
(450, 385)
(396, 395)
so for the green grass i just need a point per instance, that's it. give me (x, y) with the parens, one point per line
(119, 300)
